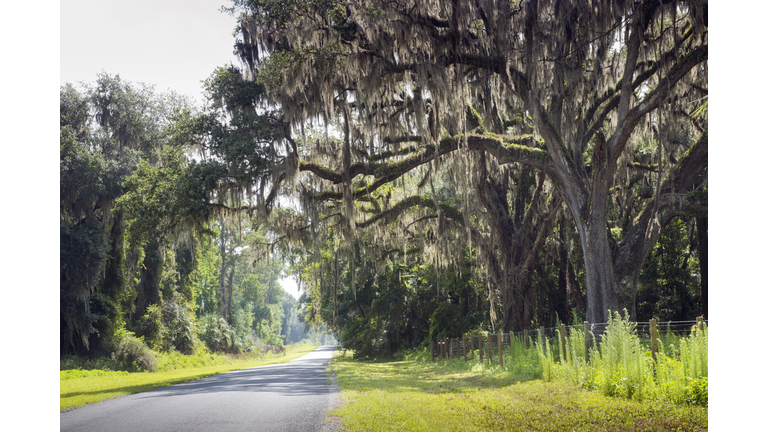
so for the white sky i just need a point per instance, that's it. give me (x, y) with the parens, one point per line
(171, 43)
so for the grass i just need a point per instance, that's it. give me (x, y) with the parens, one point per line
(79, 387)
(413, 395)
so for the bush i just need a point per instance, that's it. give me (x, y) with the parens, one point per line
(366, 340)
(215, 333)
(151, 327)
(168, 327)
(179, 331)
(133, 355)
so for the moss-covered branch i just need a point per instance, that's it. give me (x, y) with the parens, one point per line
(506, 149)
(398, 209)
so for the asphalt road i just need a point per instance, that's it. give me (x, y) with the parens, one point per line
(291, 396)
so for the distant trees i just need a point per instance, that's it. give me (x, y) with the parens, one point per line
(105, 131)
(148, 241)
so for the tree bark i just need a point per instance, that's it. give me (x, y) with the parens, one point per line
(229, 297)
(702, 229)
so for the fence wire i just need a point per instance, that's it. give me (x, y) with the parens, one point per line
(487, 345)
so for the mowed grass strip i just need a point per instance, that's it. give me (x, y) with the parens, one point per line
(419, 396)
(75, 392)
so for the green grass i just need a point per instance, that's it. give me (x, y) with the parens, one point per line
(413, 395)
(79, 387)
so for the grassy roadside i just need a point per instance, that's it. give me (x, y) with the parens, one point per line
(421, 396)
(98, 386)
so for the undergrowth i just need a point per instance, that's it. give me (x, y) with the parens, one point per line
(619, 366)
(414, 394)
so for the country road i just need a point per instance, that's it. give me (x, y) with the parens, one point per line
(291, 396)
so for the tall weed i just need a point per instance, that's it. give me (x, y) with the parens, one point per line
(621, 366)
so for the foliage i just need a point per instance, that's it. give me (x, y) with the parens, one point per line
(416, 395)
(215, 332)
(179, 326)
(668, 289)
(105, 129)
(426, 92)
(133, 355)
(621, 366)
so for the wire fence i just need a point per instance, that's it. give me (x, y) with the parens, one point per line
(493, 347)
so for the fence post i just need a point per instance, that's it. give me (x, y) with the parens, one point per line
(464, 346)
(501, 356)
(490, 350)
(525, 336)
(586, 341)
(542, 337)
(480, 346)
(654, 340)
(563, 356)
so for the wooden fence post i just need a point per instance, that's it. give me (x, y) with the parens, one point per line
(586, 341)
(501, 356)
(654, 340)
(464, 346)
(562, 344)
(480, 346)
(472, 345)
(490, 350)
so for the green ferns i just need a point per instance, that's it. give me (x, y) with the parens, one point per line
(621, 366)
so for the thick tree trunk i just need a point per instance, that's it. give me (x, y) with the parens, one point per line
(516, 300)
(702, 228)
(603, 285)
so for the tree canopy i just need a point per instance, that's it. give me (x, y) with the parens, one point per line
(568, 91)
(421, 168)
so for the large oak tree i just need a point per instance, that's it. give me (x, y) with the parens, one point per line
(592, 77)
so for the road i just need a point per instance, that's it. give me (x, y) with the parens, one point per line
(292, 396)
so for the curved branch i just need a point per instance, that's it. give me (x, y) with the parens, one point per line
(506, 149)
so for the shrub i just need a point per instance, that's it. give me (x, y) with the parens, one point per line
(215, 333)
(151, 327)
(179, 327)
(133, 355)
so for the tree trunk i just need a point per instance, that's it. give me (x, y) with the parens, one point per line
(222, 273)
(228, 310)
(603, 292)
(516, 299)
(702, 228)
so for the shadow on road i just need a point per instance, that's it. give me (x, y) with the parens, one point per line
(300, 377)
